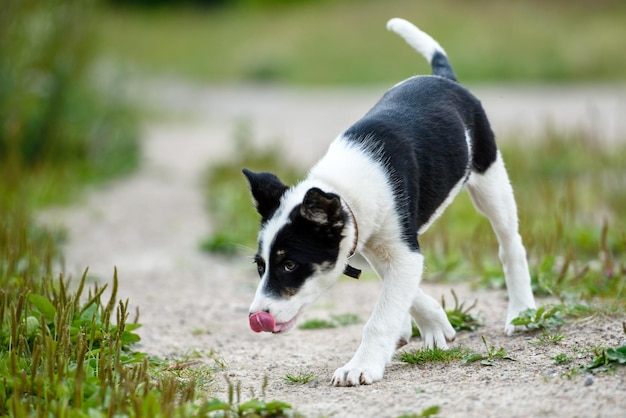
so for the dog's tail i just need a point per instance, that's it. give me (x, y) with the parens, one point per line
(425, 45)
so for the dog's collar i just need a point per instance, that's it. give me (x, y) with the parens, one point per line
(350, 271)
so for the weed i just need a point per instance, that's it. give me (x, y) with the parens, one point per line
(62, 129)
(255, 407)
(460, 317)
(547, 338)
(608, 358)
(228, 198)
(428, 412)
(540, 318)
(489, 358)
(428, 355)
(335, 321)
(317, 324)
(562, 358)
(300, 378)
(345, 319)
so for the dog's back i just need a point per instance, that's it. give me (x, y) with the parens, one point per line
(429, 132)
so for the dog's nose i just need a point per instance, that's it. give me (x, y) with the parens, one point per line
(262, 310)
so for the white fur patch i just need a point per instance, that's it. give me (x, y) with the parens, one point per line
(418, 40)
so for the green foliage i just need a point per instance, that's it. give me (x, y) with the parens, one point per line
(59, 124)
(541, 318)
(562, 358)
(334, 322)
(490, 357)
(547, 338)
(428, 412)
(316, 323)
(229, 202)
(570, 192)
(255, 407)
(460, 317)
(546, 41)
(427, 355)
(607, 358)
(345, 319)
(300, 378)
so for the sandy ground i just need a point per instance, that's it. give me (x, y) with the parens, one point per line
(149, 226)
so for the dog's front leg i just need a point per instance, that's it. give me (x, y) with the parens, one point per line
(380, 334)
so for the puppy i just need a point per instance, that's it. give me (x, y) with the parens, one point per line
(382, 183)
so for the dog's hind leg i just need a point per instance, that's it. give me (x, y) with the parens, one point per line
(492, 195)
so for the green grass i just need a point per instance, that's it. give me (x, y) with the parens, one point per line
(233, 213)
(73, 352)
(490, 357)
(460, 316)
(334, 322)
(346, 42)
(428, 355)
(540, 319)
(300, 378)
(608, 358)
(431, 411)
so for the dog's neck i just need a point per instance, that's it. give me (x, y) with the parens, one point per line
(350, 271)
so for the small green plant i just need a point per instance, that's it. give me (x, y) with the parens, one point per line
(490, 357)
(540, 318)
(346, 319)
(460, 317)
(547, 338)
(608, 358)
(335, 321)
(300, 378)
(428, 412)
(562, 358)
(317, 324)
(228, 198)
(428, 355)
(234, 407)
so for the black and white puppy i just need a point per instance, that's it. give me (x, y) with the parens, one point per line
(381, 184)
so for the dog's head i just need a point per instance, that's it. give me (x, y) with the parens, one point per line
(303, 246)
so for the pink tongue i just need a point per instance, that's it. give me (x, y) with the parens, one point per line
(262, 321)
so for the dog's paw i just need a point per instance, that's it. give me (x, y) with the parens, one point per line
(438, 336)
(513, 312)
(510, 329)
(355, 375)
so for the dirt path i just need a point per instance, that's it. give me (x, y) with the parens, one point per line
(149, 226)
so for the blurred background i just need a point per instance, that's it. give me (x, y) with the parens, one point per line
(171, 98)
(84, 83)
(346, 42)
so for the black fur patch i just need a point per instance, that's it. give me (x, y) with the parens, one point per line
(308, 245)
(417, 131)
(266, 189)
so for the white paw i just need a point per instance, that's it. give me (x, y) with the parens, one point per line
(357, 374)
(513, 312)
(437, 336)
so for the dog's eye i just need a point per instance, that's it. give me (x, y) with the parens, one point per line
(260, 266)
(289, 266)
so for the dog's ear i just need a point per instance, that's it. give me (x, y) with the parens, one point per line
(322, 208)
(266, 189)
